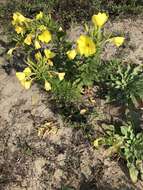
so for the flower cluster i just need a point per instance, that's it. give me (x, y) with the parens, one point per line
(35, 35)
(54, 59)
(86, 44)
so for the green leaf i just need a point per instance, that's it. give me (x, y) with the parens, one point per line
(124, 130)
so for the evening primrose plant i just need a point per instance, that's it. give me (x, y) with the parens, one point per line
(56, 62)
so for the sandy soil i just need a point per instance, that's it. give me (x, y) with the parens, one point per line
(39, 152)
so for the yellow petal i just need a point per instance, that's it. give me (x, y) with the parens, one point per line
(86, 46)
(61, 76)
(118, 41)
(38, 56)
(71, 54)
(49, 54)
(27, 71)
(20, 76)
(39, 16)
(47, 86)
(18, 18)
(28, 39)
(26, 84)
(19, 29)
(45, 36)
(37, 44)
(99, 19)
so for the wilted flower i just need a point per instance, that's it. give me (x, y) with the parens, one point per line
(71, 54)
(28, 39)
(47, 86)
(45, 36)
(19, 29)
(38, 56)
(61, 76)
(83, 111)
(37, 44)
(99, 19)
(86, 46)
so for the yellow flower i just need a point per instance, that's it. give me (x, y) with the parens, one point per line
(49, 54)
(39, 16)
(50, 63)
(26, 84)
(47, 86)
(118, 41)
(19, 29)
(61, 76)
(38, 56)
(28, 39)
(27, 71)
(18, 18)
(45, 36)
(20, 76)
(71, 54)
(99, 19)
(37, 44)
(86, 46)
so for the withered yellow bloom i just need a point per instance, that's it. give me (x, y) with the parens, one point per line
(37, 44)
(99, 19)
(19, 29)
(86, 46)
(38, 56)
(61, 76)
(118, 41)
(71, 54)
(47, 86)
(83, 111)
(10, 51)
(39, 16)
(28, 39)
(45, 36)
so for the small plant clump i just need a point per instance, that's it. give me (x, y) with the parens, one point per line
(68, 69)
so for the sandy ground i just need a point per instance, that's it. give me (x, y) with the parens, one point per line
(38, 152)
